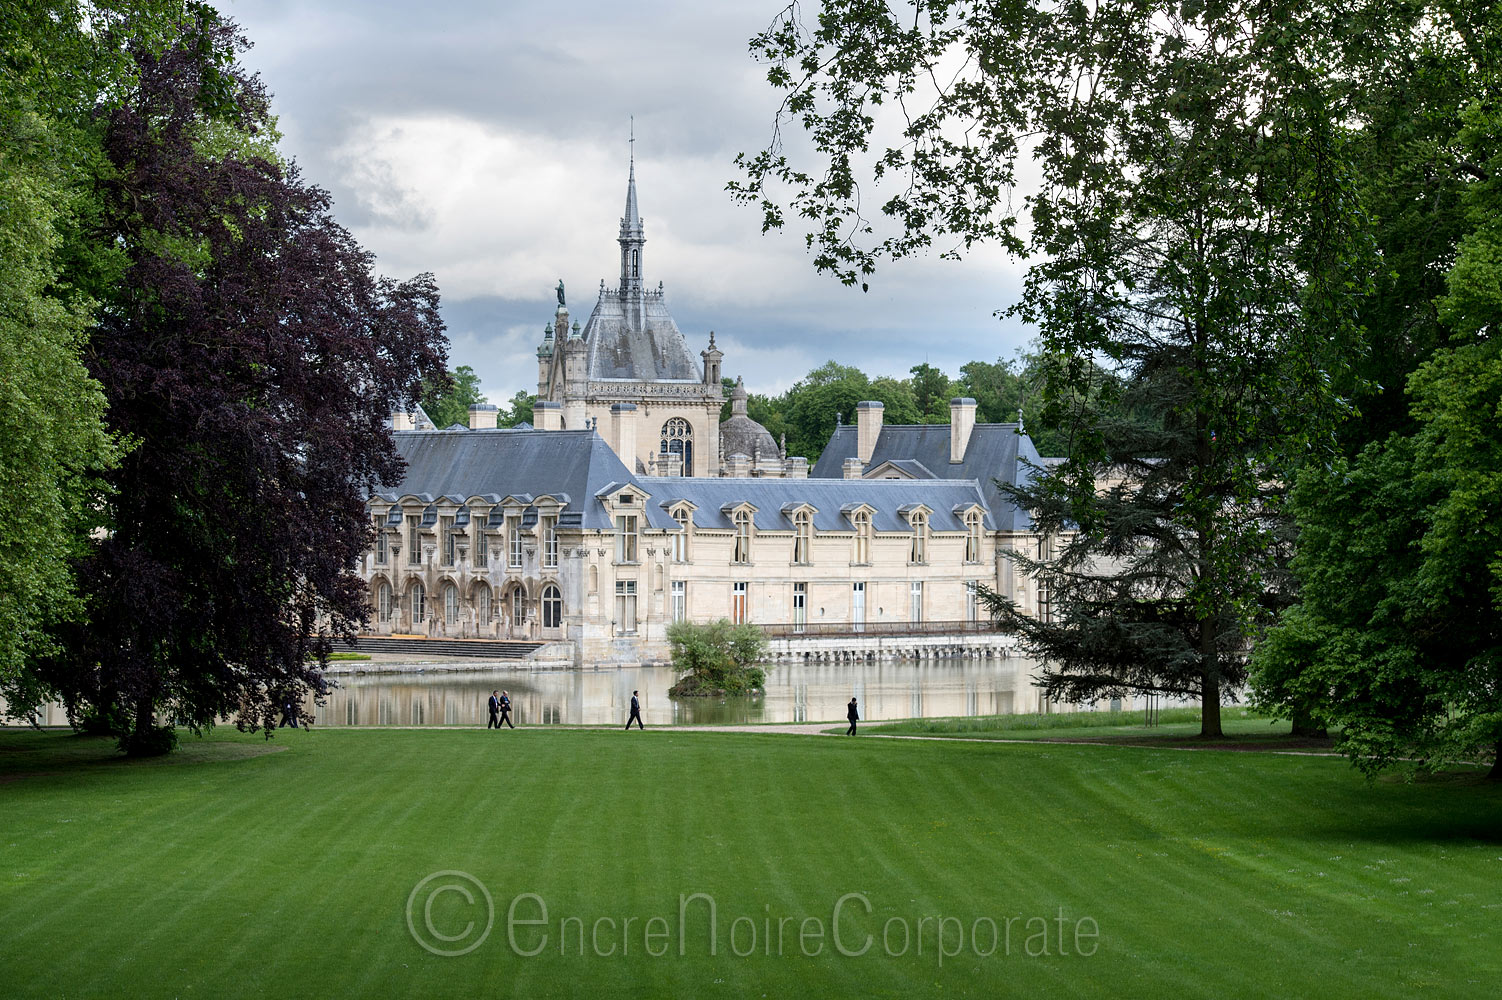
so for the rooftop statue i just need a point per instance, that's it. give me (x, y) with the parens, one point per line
(560, 292)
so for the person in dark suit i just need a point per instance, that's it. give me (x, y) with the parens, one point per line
(635, 713)
(853, 714)
(495, 712)
(505, 704)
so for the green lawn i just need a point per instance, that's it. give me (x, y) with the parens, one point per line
(228, 872)
(1172, 724)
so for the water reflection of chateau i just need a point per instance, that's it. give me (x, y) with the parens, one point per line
(630, 504)
(795, 693)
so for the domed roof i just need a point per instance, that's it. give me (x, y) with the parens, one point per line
(740, 435)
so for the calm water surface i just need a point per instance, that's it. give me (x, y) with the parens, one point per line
(602, 695)
(795, 693)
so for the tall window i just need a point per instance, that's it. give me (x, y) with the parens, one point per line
(446, 532)
(514, 542)
(550, 542)
(414, 539)
(518, 606)
(482, 550)
(800, 606)
(858, 606)
(419, 604)
(680, 540)
(625, 538)
(678, 439)
(803, 537)
(383, 602)
(738, 603)
(972, 536)
(552, 606)
(680, 600)
(1045, 600)
(625, 607)
(482, 606)
(380, 540)
(971, 601)
(742, 536)
(450, 604)
(919, 523)
(915, 592)
(862, 536)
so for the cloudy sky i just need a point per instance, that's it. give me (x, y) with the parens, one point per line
(486, 142)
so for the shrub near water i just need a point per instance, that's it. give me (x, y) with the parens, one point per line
(716, 659)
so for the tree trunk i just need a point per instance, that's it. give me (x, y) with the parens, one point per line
(1496, 771)
(1304, 725)
(1210, 686)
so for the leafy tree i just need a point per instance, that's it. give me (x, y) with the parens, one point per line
(1195, 236)
(932, 393)
(817, 402)
(519, 411)
(53, 444)
(250, 356)
(716, 658)
(1395, 638)
(447, 400)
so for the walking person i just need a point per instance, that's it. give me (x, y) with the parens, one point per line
(505, 711)
(853, 714)
(635, 713)
(495, 711)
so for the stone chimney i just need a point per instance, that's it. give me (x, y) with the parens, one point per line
(401, 420)
(797, 468)
(867, 428)
(738, 466)
(961, 423)
(853, 468)
(482, 417)
(623, 433)
(670, 464)
(547, 415)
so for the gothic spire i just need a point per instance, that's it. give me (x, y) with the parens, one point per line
(632, 238)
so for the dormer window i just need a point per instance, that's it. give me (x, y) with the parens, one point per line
(625, 538)
(972, 536)
(680, 540)
(742, 537)
(919, 523)
(803, 537)
(861, 519)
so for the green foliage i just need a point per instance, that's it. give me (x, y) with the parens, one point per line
(716, 658)
(447, 402)
(53, 444)
(148, 741)
(519, 411)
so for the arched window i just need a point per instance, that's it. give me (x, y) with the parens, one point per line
(552, 607)
(450, 604)
(862, 521)
(680, 540)
(482, 605)
(742, 536)
(518, 606)
(919, 523)
(803, 524)
(972, 536)
(678, 439)
(383, 602)
(636, 263)
(419, 600)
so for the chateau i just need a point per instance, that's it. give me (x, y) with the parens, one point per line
(630, 505)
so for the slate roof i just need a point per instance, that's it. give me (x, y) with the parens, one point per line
(631, 335)
(776, 499)
(995, 452)
(509, 462)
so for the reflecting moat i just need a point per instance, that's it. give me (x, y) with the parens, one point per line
(814, 692)
(602, 696)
